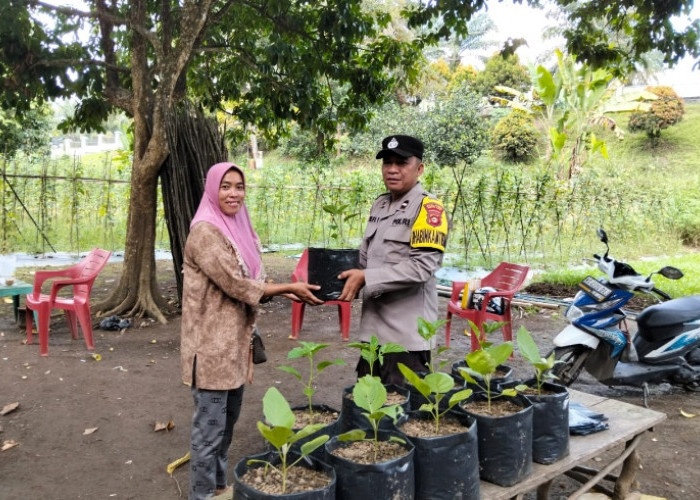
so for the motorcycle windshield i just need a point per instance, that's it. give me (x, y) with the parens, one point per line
(584, 304)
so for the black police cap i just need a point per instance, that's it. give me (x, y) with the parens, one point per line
(402, 145)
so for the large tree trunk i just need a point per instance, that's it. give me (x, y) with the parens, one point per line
(153, 89)
(137, 294)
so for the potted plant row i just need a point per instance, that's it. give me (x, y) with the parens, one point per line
(459, 432)
(378, 466)
(446, 448)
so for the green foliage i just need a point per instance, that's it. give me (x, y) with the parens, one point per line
(543, 366)
(482, 365)
(515, 137)
(488, 328)
(28, 132)
(665, 111)
(502, 70)
(309, 350)
(370, 394)
(647, 25)
(435, 385)
(453, 132)
(372, 352)
(581, 93)
(427, 330)
(689, 222)
(281, 435)
(339, 217)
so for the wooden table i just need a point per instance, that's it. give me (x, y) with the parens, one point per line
(627, 424)
(15, 290)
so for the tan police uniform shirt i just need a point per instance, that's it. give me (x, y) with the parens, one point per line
(400, 283)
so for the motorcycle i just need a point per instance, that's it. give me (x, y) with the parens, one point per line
(601, 340)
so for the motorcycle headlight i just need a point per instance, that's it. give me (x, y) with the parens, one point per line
(573, 313)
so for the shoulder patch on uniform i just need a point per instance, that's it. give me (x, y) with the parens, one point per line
(430, 227)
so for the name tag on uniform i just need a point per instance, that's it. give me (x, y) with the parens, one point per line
(430, 228)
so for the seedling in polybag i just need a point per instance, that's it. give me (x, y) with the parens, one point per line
(281, 435)
(309, 350)
(370, 394)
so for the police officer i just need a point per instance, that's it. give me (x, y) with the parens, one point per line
(401, 250)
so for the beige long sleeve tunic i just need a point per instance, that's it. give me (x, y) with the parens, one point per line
(219, 307)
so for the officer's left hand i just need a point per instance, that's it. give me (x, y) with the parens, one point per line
(354, 280)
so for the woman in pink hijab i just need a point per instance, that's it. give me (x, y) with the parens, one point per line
(223, 285)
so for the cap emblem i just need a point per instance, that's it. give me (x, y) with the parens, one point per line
(392, 143)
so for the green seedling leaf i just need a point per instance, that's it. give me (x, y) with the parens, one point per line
(481, 362)
(527, 346)
(501, 352)
(325, 364)
(459, 396)
(291, 370)
(369, 394)
(353, 435)
(439, 382)
(312, 445)
(276, 409)
(413, 379)
(470, 375)
(306, 350)
(306, 432)
(396, 439)
(276, 436)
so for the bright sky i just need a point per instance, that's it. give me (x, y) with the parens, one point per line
(521, 21)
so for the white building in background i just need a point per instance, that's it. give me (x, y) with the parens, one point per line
(96, 143)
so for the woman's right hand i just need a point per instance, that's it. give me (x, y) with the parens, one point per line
(304, 292)
(299, 291)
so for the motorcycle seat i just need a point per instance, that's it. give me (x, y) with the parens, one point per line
(652, 320)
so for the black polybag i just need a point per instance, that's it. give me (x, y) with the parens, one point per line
(505, 442)
(446, 467)
(550, 424)
(325, 265)
(243, 491)
(583, 421)
(389, 479)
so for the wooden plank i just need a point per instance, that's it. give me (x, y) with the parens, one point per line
(625, 422)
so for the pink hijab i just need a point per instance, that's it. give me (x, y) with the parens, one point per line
(237, 228)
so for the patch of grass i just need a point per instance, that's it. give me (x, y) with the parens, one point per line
(688, 285)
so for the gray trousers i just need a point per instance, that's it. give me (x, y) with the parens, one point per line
(215, 413)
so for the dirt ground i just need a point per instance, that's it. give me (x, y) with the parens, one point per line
(137, 384)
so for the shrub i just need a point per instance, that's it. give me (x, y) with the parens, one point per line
(515, 137)
(667, 110)
(502, 70)
(688, 224)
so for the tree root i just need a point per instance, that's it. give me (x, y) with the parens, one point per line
(134, 306)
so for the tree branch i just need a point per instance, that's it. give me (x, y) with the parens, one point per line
(70, 11)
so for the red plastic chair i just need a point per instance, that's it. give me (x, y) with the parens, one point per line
(507, 279)
(81, 276)
(301, 274)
